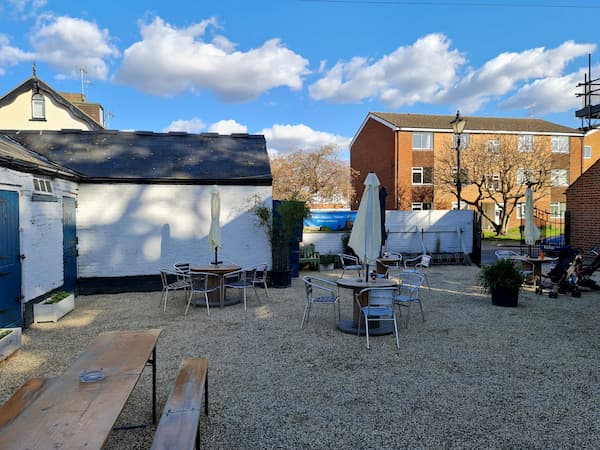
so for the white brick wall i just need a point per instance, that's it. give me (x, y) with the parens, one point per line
(41, 235)
(128, 229)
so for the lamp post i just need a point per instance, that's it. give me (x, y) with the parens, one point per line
(458, 125)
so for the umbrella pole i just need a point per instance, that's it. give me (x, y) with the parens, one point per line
(216, 262)
(367, 273)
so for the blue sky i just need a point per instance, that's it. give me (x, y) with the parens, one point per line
(303, 73)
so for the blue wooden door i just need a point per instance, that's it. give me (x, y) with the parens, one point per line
(10, 261)
(69, 245)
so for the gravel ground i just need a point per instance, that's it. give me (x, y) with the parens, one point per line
(471, 376)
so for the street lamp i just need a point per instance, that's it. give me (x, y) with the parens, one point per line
(458, 125)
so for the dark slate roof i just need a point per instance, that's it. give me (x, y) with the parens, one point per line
(435, 122)
(120, 156)
(14, 156)
(28, 85)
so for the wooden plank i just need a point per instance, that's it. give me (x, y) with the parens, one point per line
(178, 426)
(22, 398)
(71, 414)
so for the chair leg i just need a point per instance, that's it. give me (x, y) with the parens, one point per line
(422, 313)
(244, 299)
(256, 293)
(163, 300)
(367, 332)
(207, 307)
(396, 332)
(188, 302)
(306, 314)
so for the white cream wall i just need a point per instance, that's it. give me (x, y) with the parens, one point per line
(40, 234)
(128, 229)
(17, 116)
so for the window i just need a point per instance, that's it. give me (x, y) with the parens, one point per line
(421, 206)
(526, 143)
(465, 139)
(587, 151)
(523, 176)
(560, 144)
(38, 107)
(492, 182)
(464, 175)
(493, 146)
(557, 210)
(422, 175)
(423, 141)
(520, 208)
(559, 177)
(42, 186)
(462, 204)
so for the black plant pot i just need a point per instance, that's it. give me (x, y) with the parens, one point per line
(281, 279)
(502, 296)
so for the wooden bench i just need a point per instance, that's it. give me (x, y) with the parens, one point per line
(308, 255)
(22, 398)
(180, 420)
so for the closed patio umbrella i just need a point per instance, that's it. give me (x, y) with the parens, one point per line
(532, 233)
(365, 238)
(214, 234)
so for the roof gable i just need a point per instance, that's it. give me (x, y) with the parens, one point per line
(30, 84)
(120, 156)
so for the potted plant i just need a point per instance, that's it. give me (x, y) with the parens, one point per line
(10, 341)
(327, 262)
(54, 307)
(281, 225)
(502, 279)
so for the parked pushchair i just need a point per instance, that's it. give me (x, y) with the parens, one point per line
(569, 273)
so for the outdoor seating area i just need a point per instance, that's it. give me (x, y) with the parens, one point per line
(470, 376)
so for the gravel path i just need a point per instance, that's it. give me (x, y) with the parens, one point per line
(471, 376)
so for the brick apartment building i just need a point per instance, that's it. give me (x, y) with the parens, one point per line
(405, 150)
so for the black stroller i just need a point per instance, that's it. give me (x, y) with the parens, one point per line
(563, 276)
(569, 273)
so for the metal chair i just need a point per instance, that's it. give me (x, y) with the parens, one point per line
(241, 279)
(350, 262)
(172, 281)
(260, 277)
(380, 307)
(407, 292)
(203, 283)
(419, 264)
(320, 291)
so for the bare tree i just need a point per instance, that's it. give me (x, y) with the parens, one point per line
(496, 169)
(312, 177)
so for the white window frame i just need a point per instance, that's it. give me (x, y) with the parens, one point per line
(523, 176)
(492, 182)
(42, 186)
(493, 146)
(38, 107)
(421, 206)
(462, 203)
(587, 152)
(420, 171)
(559, 144)
(422, 140)
(526, 142)
(557, 210)
(520, 209)
(559, 177)
(465, 140)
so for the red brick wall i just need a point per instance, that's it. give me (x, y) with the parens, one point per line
(374, 149)
(583, 204)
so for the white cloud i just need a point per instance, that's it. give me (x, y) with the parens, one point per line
(508, 71)
(11, 56)
(26, 8)
(169, 60)
(411, 74)
(283, 139)
(227, 127)
(194, 125)
(67, 43)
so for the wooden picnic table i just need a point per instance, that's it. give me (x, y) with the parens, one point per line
(68, 413)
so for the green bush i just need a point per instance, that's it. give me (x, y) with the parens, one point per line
(57, 297)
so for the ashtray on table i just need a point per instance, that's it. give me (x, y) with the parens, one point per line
(91, 376)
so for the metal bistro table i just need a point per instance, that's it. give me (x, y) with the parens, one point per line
(537, 264)
(357, 285)
(219, 299)
(66, 412)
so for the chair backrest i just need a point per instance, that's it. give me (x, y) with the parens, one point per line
(205, 281)
(378, 297)
(260, 274)
(182, 267)
(410, 283)
(307, 250)
(348, 260)
(425, 260)
(314, 283)
(505, 254)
